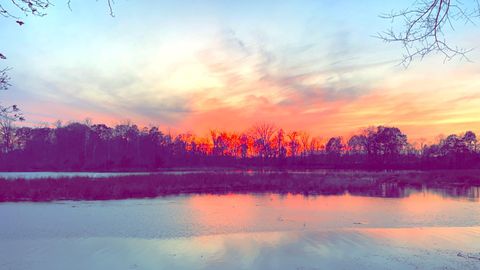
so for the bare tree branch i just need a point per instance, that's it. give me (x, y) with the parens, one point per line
(11, 114)
(25, 7)
(110, 4)
(4, 79)
(423, 30)
(9, 9)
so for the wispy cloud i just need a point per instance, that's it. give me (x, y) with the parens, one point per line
(285, 76)
(305, 69)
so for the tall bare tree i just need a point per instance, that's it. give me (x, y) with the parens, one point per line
(305, 140)
(8, 115)
(293, 143)
(262, 134)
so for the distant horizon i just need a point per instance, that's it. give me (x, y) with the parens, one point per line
(205, 133)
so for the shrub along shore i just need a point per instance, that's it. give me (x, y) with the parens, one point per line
(385, 184)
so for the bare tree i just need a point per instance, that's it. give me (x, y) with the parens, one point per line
(8, 115)
(305, 140)
(262, 134)
(424, 26)
(281, 151)
(315, 145)
(293, 143)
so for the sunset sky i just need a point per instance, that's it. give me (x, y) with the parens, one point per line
(198, 65)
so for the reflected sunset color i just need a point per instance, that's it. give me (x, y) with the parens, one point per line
(239, 212)
(245, 231)
(224, 210)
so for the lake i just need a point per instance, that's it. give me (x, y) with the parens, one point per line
(421, 229)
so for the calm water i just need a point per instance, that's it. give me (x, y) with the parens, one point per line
(425, 229)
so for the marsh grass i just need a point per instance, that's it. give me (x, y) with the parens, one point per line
(384, 183)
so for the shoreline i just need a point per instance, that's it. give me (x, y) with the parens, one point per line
(250, 168)
(386, 184)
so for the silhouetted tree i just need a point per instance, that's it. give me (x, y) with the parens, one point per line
(385, 144)
(8, 115)
(471, 140)
(358, 144)
(293, 143)
(334, 146)
(315, 145)
(80, 146)
(262, 135)
(305, 141)
(244, 144)
(280, 149)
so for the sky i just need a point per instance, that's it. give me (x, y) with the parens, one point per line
(193, 66)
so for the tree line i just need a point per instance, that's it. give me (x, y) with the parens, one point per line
(86, 146)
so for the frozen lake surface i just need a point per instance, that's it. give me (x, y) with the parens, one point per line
(424, 230)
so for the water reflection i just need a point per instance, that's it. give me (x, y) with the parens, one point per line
(399, 227)
(206, 214)
(270, 212)
(223, 209)
(394, 190)
(405, 248)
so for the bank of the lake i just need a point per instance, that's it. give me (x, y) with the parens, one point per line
(114, 187)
